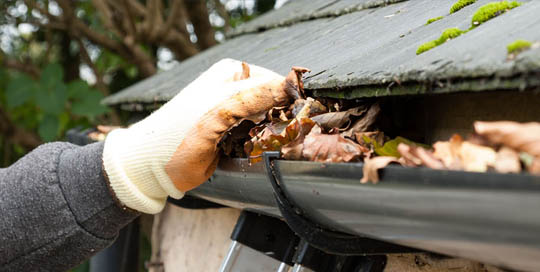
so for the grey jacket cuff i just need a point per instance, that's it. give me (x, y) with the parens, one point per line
(87, 193)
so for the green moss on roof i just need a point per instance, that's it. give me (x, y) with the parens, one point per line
(461, 4)
(433, 20)
(518, 46)
(447, 34)
(491, 10)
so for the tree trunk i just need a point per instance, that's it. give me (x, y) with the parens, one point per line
(198, 15)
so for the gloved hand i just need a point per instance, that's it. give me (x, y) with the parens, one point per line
(175, 148)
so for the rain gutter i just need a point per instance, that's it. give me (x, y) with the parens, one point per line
(488, 217)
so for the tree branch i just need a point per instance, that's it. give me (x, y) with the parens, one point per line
(176, 13)
(137, 8)
(154, 20)
(129, 20)
(100, 84)
(178, 44)
(198, 15)
(106, 16)
(27, 67)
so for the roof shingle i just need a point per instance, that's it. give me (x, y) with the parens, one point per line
(365, 46)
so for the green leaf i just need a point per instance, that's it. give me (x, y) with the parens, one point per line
(19, 91)
(77, 89)
(390, 148)
(52, 100)
(51, 75)
(48, 128)
(63, 120)
(89, 105)
(4, 77)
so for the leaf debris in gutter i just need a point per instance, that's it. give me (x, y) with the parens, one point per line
(336, 130)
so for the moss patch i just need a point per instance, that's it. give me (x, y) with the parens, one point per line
(461, 4)
(447, 34)
(492, 10)
(518, 46)
(433, 20)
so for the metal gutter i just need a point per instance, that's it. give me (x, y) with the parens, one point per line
(488, 217)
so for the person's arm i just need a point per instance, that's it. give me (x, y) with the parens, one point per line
(62, 203)
(56, 208)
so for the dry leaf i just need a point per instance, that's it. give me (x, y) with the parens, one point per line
(293, 150)
(507, 161)
(332, 120)
(275, 136)
(307, 107)
(299, 71)
(277, 114)
(233, 141)
(330, 147)
(448, 152)
(390, 148)
(370, 140)
(370, 137)
(371, 166)
(365, 122)
(418, 156)
(521, 137)
(476, 158)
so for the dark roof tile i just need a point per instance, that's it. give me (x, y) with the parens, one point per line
(364, 51)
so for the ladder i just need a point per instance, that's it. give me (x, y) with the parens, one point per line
(267, 244)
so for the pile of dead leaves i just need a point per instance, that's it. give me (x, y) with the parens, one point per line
(505, 147)
(309, 130)
(325, 132)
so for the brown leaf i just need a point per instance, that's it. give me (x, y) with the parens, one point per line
(294, 86)
(277, 114)
(365, 122)
(371, 166)
(330, 147)
(448, 152)
(418, 156)
(332, 120)
(457, 154)
(374, 137)
(476, 158)
(507, 161)
(293, 150)
(523, 137)
(370, 140)
(275, 136)
(303, 108)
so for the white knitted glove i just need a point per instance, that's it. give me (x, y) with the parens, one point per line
(175, 149)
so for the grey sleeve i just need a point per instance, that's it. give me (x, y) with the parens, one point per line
(56, 209)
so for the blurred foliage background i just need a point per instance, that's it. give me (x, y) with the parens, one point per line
(59, 58)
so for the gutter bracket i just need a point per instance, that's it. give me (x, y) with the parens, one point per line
(318, 236)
